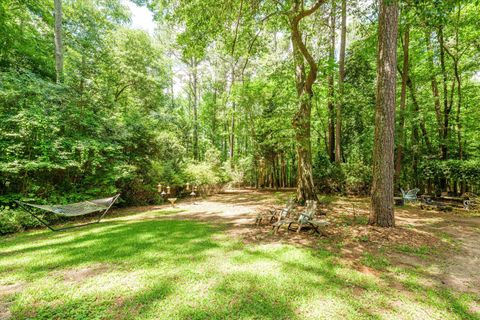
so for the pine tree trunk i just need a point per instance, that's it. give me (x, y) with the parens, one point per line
(58, 41)
(382, 213)
(341, 76)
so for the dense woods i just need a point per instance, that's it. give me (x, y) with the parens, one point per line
(267, 94)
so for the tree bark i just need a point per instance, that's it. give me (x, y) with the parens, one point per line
(341, 77)
(231, 139)
(415, 153)
(301, 119)
(456, 61)
(435, 93)
(58, 41)
(194, 65)
(382, 213)
(403, 100)
(331, 87)
(446, 105)
(418, 111)
(232, 136)
(459, 108)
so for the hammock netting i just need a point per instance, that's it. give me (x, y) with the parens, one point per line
(76, 209)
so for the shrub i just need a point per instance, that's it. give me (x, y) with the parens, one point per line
(244, 172)
(14, 220)
(351, 177)
(201, 173)
(467, 171)
(7, 222)
(358, 177)
(328, 176)
(208, 175)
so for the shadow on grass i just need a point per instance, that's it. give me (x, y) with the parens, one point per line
(140, 243)
(411, 280)
(184, 273)
(243, 295)
(95, 308)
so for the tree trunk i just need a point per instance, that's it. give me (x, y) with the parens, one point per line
(58, 41)
(331, 87)
(231, 150)
(225, 141)
(459, 108)
(446, 106)
(435, 93)
(195, 107)
(382, 213)
(446, 110)
(456, 61)
(214, 118)
(232, 136)
(341, 76)
(418, 111)
(415, 154)
(403, 100)
(301, 124)
(301, 120)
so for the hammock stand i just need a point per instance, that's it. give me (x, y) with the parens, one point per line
(71, 210)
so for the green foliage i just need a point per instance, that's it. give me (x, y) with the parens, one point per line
(358, 177)
(328, 176)
(457, 170)
(352, 177)
(155, 269)
(98, 133)
(207, 173)
(210, 97)
(15, 219)
(7, 222)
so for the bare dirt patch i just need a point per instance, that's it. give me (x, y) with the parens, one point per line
(5, 291)
(79, 275)
(8, 289)
(449, 241)
(4, 310)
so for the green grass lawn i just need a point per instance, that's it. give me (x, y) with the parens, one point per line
(169, 269)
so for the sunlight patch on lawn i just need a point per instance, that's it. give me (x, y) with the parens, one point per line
(150, 269)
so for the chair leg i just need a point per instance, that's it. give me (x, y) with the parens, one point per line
(300, 225)
(289, 227)
(275, 229)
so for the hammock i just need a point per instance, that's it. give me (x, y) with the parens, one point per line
(72, 210)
